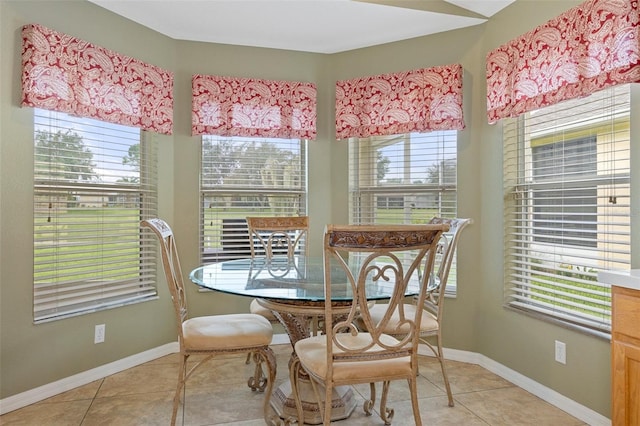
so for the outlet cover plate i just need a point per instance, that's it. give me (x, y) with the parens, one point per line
(98, 336)
(561, 352)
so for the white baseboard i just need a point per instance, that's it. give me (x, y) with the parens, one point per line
(51, 389)
(554, 398)
(549, 395)
(280, 339)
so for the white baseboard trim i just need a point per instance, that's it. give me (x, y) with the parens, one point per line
(43, 392)
(51, 389)
(280, 339)
(552, 397)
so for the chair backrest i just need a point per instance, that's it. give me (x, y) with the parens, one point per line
(172, 269)
(379, 255)
(278, 235)
(445, 255)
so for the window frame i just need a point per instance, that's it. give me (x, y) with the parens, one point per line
(228, 238)
(60, 289)
(549, 278)
(366, 191)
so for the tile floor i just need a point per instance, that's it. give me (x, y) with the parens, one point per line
(218, 395)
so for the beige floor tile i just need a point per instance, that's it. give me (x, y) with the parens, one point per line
(139, 380)
(257, 422)
(222, 371)
(218, 394)
(399, 390)
(358, 416)
(216, 405)
(434, 411)
(463, 377)
(149, 408)
(67, 413)
(514, 406)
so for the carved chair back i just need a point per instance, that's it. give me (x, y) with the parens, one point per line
(278, 235)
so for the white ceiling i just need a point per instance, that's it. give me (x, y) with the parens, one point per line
(320, 26)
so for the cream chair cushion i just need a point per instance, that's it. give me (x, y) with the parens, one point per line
(257, 308)
(427, 323)
(313, 354)
(230, 331)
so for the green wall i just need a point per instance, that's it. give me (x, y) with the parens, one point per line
(34, 355)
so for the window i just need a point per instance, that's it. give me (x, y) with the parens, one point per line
(574, 205)
(93, 182)
(240, 177)
(567, 180)
(406, 178)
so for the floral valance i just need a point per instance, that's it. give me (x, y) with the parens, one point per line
(64, 73)
(230, 106)
(588, 48)
(413, 101)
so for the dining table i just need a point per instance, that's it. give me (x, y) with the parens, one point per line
(293, 289)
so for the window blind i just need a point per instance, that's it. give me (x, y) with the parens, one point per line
(93, 182)
(247, 176)
(404, 179)
(567, 211)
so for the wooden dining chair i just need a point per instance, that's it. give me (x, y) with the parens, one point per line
(371, 256)
(215, 334)
(431, 325)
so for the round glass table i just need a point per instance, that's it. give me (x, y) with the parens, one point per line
(293, 289)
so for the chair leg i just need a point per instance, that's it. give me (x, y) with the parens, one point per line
(413, 387)
(182, 373)
(294, 375)
(437, 351)
(328, 394)
(445, 377)
(386, 414)
(371, 402)
(268, 358)
(258, 381)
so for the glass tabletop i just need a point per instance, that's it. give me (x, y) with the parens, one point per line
(300, 278)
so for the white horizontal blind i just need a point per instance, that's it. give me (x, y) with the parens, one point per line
(567, 214)
(93, 182)
(240, 177)
(404, 179)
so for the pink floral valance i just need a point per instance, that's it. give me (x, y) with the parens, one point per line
(229, 106)
(588, 48)
(64, 73)
(412, 101)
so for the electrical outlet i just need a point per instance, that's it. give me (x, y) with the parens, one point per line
(561, 352)
(98, 337)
